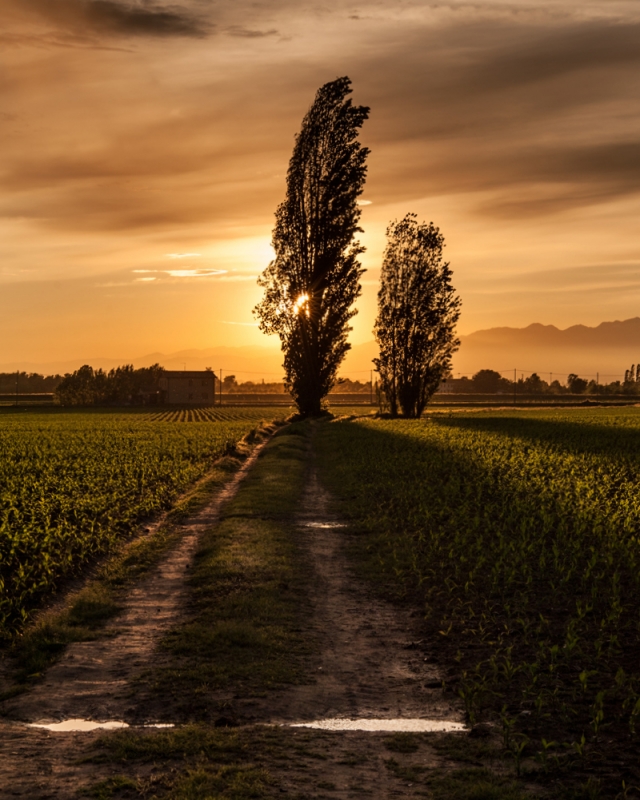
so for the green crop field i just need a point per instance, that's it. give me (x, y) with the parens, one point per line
(518, 535)
(74, 483)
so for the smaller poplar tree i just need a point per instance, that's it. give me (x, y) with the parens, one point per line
(417, 314)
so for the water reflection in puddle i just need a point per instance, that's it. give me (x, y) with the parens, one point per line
(388, 725)
(324, 525)
(83, 725)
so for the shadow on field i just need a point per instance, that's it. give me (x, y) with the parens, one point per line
(516, 535)
(586, 432)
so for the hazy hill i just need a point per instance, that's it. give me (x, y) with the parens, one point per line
(249, 363)
(608, 349)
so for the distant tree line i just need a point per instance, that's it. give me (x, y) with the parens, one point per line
(488, 381)
(120, 386)
(27, 382)
(632, 375)
(230, 385)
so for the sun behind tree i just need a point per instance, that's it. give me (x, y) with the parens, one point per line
(314, 280)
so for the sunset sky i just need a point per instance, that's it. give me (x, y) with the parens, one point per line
(145, 147)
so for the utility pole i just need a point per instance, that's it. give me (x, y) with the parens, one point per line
(220, 387)
(515, 386)
(371, 387)
(17, 376)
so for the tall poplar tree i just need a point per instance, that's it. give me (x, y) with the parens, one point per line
(417, 314)
(311, 285)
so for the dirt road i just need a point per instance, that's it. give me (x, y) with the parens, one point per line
(370, 664)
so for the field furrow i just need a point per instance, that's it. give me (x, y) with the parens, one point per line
(73, 484)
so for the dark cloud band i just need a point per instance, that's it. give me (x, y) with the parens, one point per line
(120, 18)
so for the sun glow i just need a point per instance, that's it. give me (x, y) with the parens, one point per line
(302, 303)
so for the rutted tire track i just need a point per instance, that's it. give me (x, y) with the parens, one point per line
(370, 665)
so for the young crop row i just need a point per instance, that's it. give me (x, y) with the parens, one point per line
(73, 484)
(212, 414)
(519, 534)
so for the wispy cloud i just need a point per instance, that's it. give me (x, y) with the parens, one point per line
(194, 273)
(184, 255)
(248, 33)
(180, 273)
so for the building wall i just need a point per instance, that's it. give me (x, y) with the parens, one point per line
(189, 388)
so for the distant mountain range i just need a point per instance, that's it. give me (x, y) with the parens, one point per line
(607, 334)
(607, 349)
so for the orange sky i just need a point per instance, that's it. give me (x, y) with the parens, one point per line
(144, 149)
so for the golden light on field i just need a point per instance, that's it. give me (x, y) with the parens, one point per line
(144, 156)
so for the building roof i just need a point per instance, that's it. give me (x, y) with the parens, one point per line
(179, 373)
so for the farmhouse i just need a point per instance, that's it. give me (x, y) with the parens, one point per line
(188, 387)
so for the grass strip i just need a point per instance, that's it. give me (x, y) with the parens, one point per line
(247, 595)
(200, 762)
(85, 612)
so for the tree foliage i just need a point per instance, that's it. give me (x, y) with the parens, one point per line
(576, 385)
(120, 386)
(488, 381)
(311, 285)
(417, 314)
(27, 382)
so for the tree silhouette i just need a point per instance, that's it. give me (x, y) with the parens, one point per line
(488, 381)
(417, 314)
(576, 385)
(311, 285)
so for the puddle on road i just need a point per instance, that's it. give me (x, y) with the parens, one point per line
(84, 725)
(336, 724)
(324, 525)
(386, 725)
